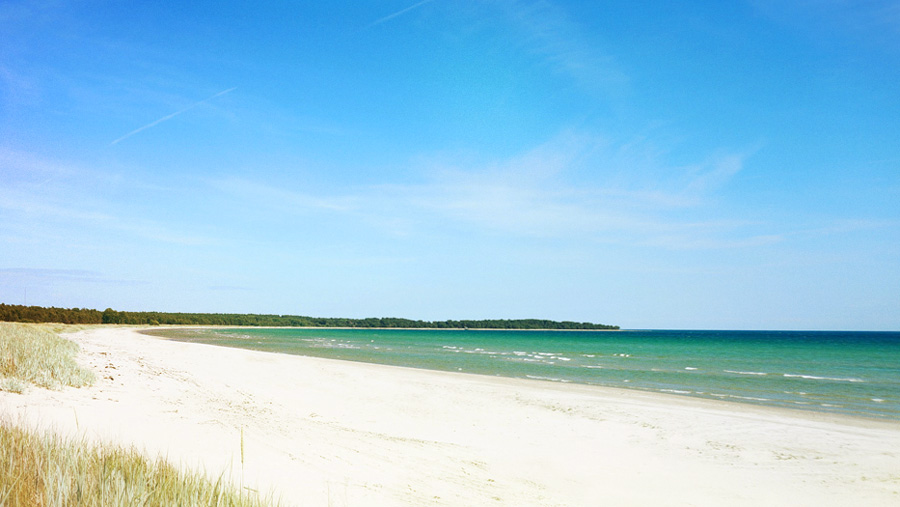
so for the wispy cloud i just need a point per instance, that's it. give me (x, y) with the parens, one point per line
(170, 116)
(536, 194)
(398, 13)
(874, 21)
(41, 194)
(229, 288)
(714, 173)
(282, 199)
(551, 33)
(41, 276)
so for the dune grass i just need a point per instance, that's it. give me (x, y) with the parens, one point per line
(48, 470)
(44, 469)
(34, 354)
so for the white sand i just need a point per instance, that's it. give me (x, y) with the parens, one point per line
(334, 433)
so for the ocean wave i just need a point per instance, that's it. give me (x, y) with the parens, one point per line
(737, 397)
(553, 379)
(832, 379)
(745, 372)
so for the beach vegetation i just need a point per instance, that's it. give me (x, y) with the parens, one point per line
(47, 469)
(34, 354)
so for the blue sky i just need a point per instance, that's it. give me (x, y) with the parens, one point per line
(648, 164)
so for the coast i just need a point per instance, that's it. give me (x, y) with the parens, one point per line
(326, 432)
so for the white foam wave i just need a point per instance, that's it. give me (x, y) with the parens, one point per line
(833, 379)
(745, 372)
(553, 379)
(751, 398)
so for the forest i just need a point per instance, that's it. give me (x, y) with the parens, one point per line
(20, 313)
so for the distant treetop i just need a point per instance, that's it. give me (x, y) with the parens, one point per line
(18, 313)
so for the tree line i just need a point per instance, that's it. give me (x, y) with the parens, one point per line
(19, 313)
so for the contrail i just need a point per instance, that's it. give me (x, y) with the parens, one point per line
(398, 13)
(169, 117)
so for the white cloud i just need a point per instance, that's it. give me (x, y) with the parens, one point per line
(714, 173)
(537, 194)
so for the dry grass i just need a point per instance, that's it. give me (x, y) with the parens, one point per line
(34, 354)
(47, 470)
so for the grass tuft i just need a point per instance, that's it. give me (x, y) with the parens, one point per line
(33, 354)
(46, 469)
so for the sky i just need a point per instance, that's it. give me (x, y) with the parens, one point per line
(704, 165)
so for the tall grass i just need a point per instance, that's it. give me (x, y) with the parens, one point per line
(33, 354)
(48, 470)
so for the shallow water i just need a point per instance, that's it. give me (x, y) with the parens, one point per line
(855, 373)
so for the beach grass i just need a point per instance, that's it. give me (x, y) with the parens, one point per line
(34, 354)
(46, 469)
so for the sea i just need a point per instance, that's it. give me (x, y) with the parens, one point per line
(851, 373)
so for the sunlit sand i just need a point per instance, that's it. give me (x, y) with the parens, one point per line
(325, 432)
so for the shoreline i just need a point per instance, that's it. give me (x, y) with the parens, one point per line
(330, 432)
(823, 406)
(716, 403)
(223, 326)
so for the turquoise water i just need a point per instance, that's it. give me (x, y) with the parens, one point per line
(856, 373)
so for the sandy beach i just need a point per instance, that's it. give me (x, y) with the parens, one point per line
(333, 433)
